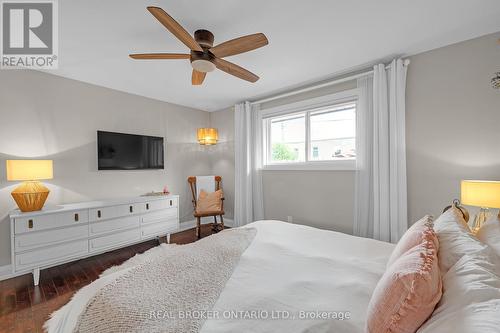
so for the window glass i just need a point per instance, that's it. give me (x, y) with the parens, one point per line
(287, 139)
(333, 134)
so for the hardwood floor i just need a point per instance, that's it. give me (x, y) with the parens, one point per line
(25, 308)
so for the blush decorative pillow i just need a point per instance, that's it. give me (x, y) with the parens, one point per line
(408, 291)
(209, 202)
(416, 234)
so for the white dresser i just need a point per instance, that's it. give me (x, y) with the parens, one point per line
(59, 234)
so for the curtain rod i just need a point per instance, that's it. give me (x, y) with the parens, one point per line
(406, 62)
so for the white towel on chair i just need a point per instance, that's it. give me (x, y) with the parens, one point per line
(206, 183)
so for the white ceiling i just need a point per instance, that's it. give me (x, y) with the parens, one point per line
(308, 41)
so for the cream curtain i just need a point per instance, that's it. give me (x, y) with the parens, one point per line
(248, 196)
(381, 195)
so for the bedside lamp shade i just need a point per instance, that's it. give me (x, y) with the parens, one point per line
(25, 170)
(207, 136)
(480, 193)
(31, 194)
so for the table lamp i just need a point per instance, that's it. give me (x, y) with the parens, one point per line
(31, 194)
(480, 193)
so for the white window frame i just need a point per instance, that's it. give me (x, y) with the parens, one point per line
(305, 106)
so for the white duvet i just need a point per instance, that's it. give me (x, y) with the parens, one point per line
(292, 278)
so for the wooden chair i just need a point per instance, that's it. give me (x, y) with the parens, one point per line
(216, 227)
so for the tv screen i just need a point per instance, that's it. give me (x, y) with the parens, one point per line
(119, 151)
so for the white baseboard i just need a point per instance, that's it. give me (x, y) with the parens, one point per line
(6, 272)
(191, 224)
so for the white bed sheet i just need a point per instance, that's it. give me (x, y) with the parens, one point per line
(289, 270)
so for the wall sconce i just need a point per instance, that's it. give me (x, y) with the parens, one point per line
(207, 136)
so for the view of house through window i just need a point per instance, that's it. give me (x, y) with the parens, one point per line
(326, 134)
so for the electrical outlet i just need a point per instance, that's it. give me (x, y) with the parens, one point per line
(289, 219)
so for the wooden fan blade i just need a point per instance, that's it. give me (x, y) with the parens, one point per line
(197, 77)
(175, 28)
(159, 56)
(240, 45)
(235, 70)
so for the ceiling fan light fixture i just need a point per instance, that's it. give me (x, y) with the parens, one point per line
(204, 56)
(202, 65)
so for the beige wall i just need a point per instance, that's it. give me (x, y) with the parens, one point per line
(222, 155)
(322, 199)
(452, 122)
(45, 116)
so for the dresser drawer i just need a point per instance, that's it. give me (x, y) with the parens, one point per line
(110, 241)
(159, 204)
(160, 216)
(46, 256)
(161, 228)
(114, 225)
(42, 238)
(49, 221)
(112, 212)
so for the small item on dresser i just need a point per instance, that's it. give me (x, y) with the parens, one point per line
(165, 190)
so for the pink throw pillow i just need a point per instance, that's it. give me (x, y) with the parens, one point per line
(408, 291)
(418, 232)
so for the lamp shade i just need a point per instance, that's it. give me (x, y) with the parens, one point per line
(207, 136)
(23, 170)
(480, 193)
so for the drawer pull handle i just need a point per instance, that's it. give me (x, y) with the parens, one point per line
(131, 208)
(30, 224)
(147, 206)
(170, 202)
(99, 214)
(76, 217)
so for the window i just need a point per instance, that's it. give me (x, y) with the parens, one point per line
(314, 137)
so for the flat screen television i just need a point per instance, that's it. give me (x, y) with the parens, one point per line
(120, 151)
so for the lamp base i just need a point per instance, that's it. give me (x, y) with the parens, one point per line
(30, 196)
(481, 217)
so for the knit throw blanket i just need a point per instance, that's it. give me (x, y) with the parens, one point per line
(170, 292)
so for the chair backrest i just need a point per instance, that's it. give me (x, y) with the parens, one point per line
(192, 185)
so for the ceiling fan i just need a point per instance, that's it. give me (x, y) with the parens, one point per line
(204, 56)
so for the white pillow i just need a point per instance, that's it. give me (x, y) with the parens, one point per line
(471, 297)
(490, 234)
(455, 239)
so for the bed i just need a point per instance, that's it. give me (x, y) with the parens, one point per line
(298, 278)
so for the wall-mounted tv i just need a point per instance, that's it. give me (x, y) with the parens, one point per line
(120, 151)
